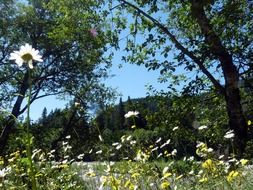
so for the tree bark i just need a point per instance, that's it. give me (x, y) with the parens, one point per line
(10, 121)
(237, 121)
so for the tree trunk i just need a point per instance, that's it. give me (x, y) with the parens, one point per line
(237, 121)
(10, 121)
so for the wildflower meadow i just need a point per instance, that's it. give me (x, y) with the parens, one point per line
(197, 134)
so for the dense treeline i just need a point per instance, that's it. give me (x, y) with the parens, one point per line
(179, 119)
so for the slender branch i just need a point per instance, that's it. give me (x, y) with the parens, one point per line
(39, 97)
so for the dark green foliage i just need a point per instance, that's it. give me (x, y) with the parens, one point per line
(73, 58)
(50, 132)
(172, 117)
(119, 115)
(196, 45)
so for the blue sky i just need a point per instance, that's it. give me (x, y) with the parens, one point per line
(130, 80)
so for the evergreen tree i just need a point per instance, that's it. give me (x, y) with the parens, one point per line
(129, 105)
(120, 115)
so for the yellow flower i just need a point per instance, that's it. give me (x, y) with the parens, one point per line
(231, 176)
(165, 185)
(129, 185)
(142, 156)
(202, 149)
(167, 174)
(209, 165)
(90, 173)
(128, 182)
(244, 161)
(203, 180)
(135, 175)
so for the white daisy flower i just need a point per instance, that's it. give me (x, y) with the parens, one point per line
(99, 152)
(202, 127)
(100, 138)
(3, 172)
(165, 169)
(129, 138)
(133, 142)
(68, 137)
(80, 156)
(158, 140)
(174, 152)
(119, 146)
(26, 54)
(175, 128)
(115, 144)
(230, 134)
(131, 114)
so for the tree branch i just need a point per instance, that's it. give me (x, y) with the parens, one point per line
(179, 46)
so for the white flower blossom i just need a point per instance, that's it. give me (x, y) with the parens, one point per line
(230, 134)
(191, 158)
(77, 104)
(165, 169)
(100, 138)
(3, 172)
(166, 143)
(159, 155)
(221, 156)
(133, 142)
(26, 54)
(99, 152)
(80, 156)
(174, 152)
(158, 140)
(202, 127)
(129, 138)
(115, 144)
(131, 114)
(68, 137)
(119, 146)
(123, 138)
(154, 149)
(199, 144)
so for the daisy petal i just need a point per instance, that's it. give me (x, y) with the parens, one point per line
(30, 64)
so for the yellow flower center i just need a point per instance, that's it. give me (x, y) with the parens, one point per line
(27, 57)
